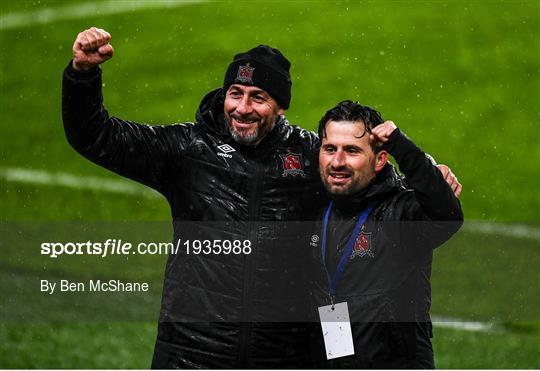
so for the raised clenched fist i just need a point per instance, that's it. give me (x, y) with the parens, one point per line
(91, 48)
(381, 133)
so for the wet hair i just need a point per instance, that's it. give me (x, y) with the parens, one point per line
(348, 110)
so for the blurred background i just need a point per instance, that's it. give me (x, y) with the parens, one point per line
(461, 79)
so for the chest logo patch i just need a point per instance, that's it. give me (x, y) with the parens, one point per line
(292, 164)
(362, 246)
(224, 150)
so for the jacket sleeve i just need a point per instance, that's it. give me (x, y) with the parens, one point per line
(140, 152)
(431, 213)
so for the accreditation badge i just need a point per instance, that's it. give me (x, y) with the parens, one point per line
(336, 330)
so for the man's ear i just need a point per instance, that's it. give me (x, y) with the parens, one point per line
(281, 111)
(380, 160)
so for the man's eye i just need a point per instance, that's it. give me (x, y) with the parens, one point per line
(234, 94)
(352, 150)
(329, 149)
(258, 98)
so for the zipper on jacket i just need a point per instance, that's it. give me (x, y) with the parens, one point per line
(253, 215)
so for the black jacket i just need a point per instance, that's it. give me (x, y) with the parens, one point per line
(217, 310)
(386, 280)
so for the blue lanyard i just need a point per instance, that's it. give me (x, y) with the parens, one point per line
(334, 280)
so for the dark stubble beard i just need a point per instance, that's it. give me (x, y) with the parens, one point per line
(357, 185)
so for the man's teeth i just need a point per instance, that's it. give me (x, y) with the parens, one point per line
(245, 121)
(340, 176)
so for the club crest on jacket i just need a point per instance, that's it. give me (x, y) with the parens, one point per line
(362, 246)
(292, 164)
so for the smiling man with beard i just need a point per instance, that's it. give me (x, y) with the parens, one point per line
(373, 251)
(249, 124)
(236, 175)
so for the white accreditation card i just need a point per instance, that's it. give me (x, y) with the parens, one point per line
(336, 329)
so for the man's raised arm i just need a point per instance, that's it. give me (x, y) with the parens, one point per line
(436, 195)
(139, 152)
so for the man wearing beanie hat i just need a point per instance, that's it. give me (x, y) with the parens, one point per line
(261, 68)
(238, 177)
(272, 72)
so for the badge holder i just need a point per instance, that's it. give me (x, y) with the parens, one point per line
(336, 330)
(335, 320)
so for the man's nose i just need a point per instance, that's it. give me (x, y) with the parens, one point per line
(244, 106)
(339, 159)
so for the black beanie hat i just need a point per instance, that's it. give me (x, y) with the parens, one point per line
(264, 67)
